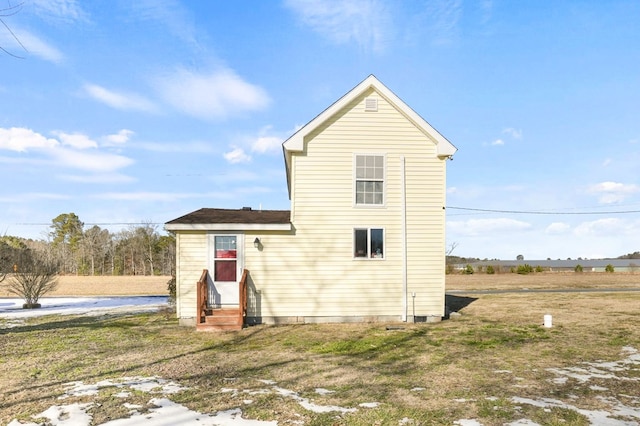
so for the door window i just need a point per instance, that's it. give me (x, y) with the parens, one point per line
(225, 258)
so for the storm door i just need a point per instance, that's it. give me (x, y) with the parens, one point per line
(225, 270)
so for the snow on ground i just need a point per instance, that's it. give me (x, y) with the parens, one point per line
(11, 308)
(163, 411)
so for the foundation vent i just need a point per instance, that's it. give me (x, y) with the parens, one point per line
(371, 104)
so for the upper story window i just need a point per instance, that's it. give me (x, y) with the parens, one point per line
(369, 179)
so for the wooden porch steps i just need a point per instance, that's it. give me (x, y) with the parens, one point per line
(225, 319)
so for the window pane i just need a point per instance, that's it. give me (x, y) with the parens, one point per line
(360, 242)
(225, 270)
(369, 179)
(225, 247)
(378, 173)
(377, 249)
(368, 198)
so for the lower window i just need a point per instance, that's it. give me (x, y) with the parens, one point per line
(368, 243)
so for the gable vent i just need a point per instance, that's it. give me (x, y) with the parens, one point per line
(371, 104)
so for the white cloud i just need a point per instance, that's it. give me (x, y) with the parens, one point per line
(474, 227)
(119, 100)
(119, 138)
(497, 142)
(76, 140)
(267, 141)
(613, 192)
(601, 227)
(170, 13)
(107, 178)
(66, 10)
(514, 133)
(143, 196)
(195, 146)
(33, 44)
(606, 162)
(365, 22)
(33, 196)
(95, 161)
(21, 139)
(70, 153)
(237, 155)
(214, 95)
(557, 228)
(441, 19)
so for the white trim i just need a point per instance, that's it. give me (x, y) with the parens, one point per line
(354, 180)
(296, 142)
(228, 227)
(368, 256)
(403, 195)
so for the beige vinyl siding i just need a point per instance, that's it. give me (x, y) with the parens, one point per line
(314, 273)
(191, 255)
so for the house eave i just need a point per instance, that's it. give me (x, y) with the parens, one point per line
(228, 227)
(444, 148)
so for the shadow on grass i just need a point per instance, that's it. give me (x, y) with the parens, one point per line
(456, 303)
(201, 358)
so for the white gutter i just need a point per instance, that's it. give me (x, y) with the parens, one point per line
(404, 238)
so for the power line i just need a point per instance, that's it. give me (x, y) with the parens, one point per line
(94, 223)
(542, 212)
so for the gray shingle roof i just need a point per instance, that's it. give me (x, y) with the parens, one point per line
(233, 216)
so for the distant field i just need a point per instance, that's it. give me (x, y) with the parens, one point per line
(542, 280)
(71, 285)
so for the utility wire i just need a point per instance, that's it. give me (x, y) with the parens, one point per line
(542, 212)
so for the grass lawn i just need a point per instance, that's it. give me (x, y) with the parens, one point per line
(472, 367)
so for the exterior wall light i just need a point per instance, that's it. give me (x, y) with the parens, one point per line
(256, 243)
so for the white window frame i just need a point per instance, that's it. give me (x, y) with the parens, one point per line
(369, 255)
(356, 180)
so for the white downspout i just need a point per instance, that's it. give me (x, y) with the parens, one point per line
(404, 238)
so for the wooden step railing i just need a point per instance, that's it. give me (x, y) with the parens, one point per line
(202, 294)
(203, 309)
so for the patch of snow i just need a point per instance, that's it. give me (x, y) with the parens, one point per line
(12, 307)
(308, 405)
(369, 405)
(65, 415)
(144, 384)
(418, 389)
(321, 391)
(467, 422)
(596, 417)
(523, 422)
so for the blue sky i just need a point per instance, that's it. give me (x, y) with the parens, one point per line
(127, 112)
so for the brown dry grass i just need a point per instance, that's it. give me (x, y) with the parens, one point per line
(496, 348)
(542, 280)
(72, 285)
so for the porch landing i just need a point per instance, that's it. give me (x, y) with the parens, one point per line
(226, 319)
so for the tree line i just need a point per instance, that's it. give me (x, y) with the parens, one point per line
(80, 250)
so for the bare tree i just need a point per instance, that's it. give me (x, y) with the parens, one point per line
(34, 276)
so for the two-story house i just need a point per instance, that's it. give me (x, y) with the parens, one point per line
(364, 239)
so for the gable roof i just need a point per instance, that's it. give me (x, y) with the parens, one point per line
(295, 143)
(232, 220)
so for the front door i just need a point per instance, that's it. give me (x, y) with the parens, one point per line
(225, 266)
